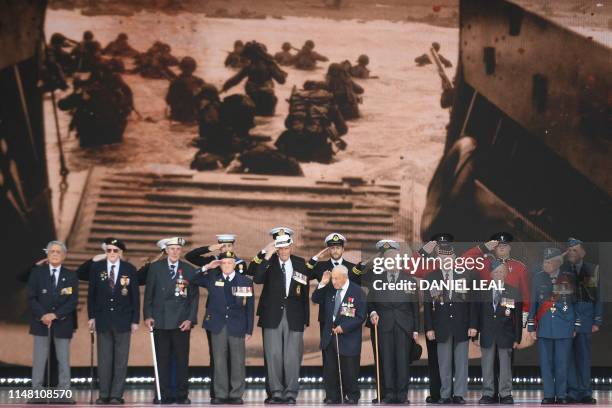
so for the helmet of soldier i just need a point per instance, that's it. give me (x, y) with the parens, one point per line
(286, 46)
(238, 45)
(187, 65)
(88, 35)
(363, 59)
(309, 44)
(335, 70)
(122, 37)
(436, 46)
(57, 39)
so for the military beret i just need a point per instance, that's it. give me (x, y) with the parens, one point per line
(550, 253)
(335, 239)
(116, 242)
(227, 254)
(386, 244)
(275, 232)
(502, 237)
(226, 238)
(573, 242)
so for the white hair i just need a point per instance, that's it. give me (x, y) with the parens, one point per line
(342, 269)
(58, 243)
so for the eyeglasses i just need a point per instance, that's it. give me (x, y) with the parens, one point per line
(111, 250)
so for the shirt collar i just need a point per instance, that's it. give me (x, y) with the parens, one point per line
(337, 261)
(287, 262)
(175, 264)
(51, 268)
(230, 276)
(109, 264)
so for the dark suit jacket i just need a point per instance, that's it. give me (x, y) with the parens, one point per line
(238, 314)
(160, 302)
(393, 307)
(273, 299)
(113, 309)
(44, 298)
(322, 266)
(350, 340)
(505, 324)
(449, 317)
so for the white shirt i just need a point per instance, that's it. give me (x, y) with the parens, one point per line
(342, 293)
(108, 268)
(57, 271)
(230, 276)
(337, 262)
(288, 273)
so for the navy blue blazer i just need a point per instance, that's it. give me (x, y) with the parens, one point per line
(354, 299)
(113, 309)
(44, 298)
(238, 314)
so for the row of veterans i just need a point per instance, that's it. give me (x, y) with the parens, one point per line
(562, 309)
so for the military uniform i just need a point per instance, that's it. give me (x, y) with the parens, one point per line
(344, 89)
(229, 317)
(552, 315)
(306, 58)
(114, 302)
(119, 47)
(170, 299)
(52, 290)
(589, 310)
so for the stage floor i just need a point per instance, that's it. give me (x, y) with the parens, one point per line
(308, 397)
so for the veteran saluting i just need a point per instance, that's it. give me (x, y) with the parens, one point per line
(171, 309)
(229, 318)
(283, 311)
(113, 306)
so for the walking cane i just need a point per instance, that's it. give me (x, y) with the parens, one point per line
(48, 360)
(378, 396)
(339, 369)
(155, 365)
(91, 366)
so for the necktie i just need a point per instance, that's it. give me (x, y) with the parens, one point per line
(337, 302)
(228, 290)
(285, 276)
(111, 277)
(335, 263)
(54, 277)
(172, 272)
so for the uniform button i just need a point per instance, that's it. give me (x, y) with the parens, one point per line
(112, 309)
(226, 316)
(451, 316)
(282, 307)
(285, 297)
(112, 300)
(450, 304)
(227, 307)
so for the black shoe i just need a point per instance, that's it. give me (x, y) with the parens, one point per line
(330, 401)
(548, 401)
(167, 401)
(235, 401)
(485, 399)
(268, 400)
(217, 401)
(445, 401)
(588, 400)
(289, 401)
(156, 401)
(402, 401)
(183, 401)
(458, 400)
(102, 401)
(116, 401)
(571, 400)
(562, 401)
(374, 400)
(388, 400)
(276, 400)
(506, 400)
(351, 401)
(431, 400)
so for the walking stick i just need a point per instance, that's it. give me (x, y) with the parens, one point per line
(91, 366)
(339, 369)
(155, 365)
(378, 396)
(48, 360)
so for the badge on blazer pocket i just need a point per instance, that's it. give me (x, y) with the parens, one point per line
(242, 291)
(66, 291)
(508, 303)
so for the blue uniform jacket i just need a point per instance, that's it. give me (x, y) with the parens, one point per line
(238, 314)
(589, 304)
(113, 309)
(558, 319)
(354, 299)
(44, 298)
